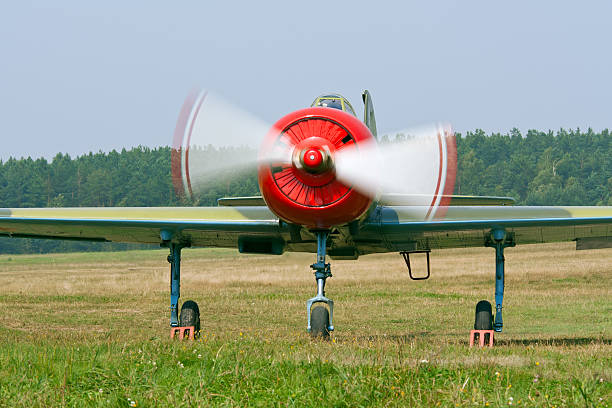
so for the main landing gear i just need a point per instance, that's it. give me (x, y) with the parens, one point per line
(190, 312)
(499, 240)
(320, 320)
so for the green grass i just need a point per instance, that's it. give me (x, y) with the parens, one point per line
(91, 330)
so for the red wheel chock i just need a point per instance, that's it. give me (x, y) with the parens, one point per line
(181, 331)
(481, 337)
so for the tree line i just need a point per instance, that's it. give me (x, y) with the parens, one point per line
(539, 168)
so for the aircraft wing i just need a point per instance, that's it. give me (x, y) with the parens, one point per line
(201, 226)
(465, 226)
(256, 229)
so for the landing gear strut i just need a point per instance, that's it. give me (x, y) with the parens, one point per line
(320, 321)
(190, 313)
(175, 281)
(499, 240)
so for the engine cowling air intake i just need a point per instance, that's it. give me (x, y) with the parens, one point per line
(304, 190)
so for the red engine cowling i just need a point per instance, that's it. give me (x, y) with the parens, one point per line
(305, 191)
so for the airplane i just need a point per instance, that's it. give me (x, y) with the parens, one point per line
(329, 187)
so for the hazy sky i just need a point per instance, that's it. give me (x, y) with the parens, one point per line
(77, 76)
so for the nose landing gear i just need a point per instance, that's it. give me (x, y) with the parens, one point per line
(320, 321)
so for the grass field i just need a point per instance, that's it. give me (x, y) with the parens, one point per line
(92, 330)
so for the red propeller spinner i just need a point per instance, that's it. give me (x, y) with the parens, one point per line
(305, 190)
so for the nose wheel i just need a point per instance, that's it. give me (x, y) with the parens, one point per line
(320, 319)
(319, 322)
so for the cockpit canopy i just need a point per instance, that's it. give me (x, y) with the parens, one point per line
(334, 101)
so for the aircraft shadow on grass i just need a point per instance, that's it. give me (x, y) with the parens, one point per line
(555, 341)
(551, 341)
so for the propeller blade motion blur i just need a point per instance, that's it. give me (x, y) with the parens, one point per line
(419, 164)
(214, 141)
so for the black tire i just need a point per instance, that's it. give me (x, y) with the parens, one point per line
(190, 315)
(484, 316)
(319, 322)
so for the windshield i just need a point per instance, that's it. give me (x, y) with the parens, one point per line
(334, 101)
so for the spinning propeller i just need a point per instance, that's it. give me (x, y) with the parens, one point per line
(316, 167)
